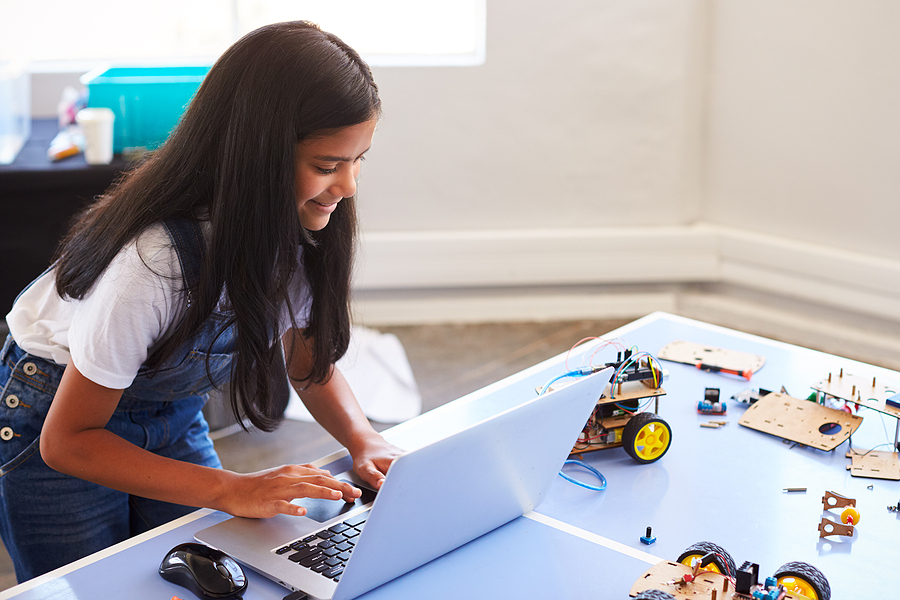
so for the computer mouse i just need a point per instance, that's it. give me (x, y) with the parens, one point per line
(209, 573)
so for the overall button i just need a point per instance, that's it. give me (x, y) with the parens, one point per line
(29, 368)
(6, 434)
(12, 401)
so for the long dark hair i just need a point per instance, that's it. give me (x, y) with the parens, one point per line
(232, 157)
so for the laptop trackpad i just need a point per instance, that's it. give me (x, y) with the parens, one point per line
(321, 510)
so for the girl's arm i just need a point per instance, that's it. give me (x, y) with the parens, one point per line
(334, 406)
(74, 441)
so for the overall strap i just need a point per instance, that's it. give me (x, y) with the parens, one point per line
(190, 247)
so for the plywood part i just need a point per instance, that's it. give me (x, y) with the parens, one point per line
(691, 353)
(828, 527)
(831, 501)
(629, 390)
(708, 585)
(661, 576)
(874, 465)
(800, 421)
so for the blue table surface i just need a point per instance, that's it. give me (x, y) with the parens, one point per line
(720, 485)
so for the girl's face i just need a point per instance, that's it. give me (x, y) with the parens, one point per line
(327, 169)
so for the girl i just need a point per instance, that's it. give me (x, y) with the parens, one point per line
(224, 257)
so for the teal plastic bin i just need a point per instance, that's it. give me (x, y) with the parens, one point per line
(147, 101)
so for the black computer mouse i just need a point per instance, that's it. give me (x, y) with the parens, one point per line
(209, 573)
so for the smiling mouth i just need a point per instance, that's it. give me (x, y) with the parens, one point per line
(324, 204)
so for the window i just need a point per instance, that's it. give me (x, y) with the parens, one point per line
(385, 32)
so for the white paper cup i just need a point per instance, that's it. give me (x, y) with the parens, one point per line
(97, 127)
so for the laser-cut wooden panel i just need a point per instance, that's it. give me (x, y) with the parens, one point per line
(799, 421)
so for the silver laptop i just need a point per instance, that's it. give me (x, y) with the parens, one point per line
(434, 499)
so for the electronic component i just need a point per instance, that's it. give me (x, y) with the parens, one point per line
(776, 592)
(747, 577)
(746, 374)
(893, 401)
(750, 396)
(710, 404)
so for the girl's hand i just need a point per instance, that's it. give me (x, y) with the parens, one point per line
(371, 458)
(268, 493)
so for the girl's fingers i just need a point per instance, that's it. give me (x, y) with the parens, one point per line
(322, 486)
(372, 475)
(287, 508)
(271, 492)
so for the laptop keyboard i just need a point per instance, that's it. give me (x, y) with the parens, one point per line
(327, 551)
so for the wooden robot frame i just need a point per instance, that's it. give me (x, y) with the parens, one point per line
(618, 420)
(706, 571)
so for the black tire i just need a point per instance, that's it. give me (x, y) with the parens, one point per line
(722, 559)
(631, 441)
(809, 574)
(654, 595)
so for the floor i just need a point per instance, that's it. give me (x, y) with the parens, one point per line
(448, 361)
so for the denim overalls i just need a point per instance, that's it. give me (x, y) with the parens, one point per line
(48, 519)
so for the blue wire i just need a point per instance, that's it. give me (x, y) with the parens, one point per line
(634, 358)
(576, 373)
(581, 483)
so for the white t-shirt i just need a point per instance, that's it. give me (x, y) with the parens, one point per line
(109, 332)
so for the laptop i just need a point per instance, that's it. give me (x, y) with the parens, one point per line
(433, 500)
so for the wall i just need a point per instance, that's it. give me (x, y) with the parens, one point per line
(803, 142)
(804, 129)
(572, 157)
(584, 115)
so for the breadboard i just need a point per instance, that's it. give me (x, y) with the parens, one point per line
(799, 421)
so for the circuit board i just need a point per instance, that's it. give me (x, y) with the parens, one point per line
(668, 576)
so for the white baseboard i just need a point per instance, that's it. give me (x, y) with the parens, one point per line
(493, 258)
(858, 337)
(498, 306)
(472, 260)
(813, 295)
(820, 275)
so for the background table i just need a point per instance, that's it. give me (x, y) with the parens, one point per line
(38, 199)
(719, 485)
